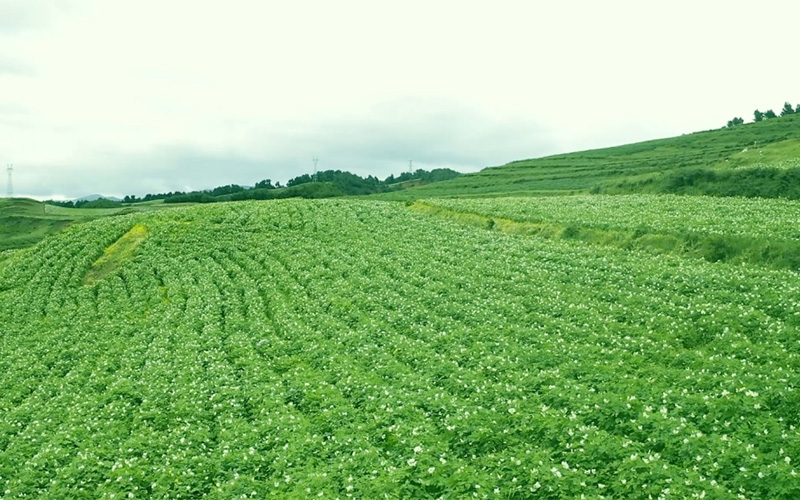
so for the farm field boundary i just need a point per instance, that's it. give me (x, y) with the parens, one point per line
(779, 254)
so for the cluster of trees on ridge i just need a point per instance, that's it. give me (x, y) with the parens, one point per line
(759, 116)
(326, 184)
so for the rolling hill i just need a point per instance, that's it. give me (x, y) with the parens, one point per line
(25, 222)
(756, 159)
(591, 343)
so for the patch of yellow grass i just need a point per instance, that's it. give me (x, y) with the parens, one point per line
(116, 254)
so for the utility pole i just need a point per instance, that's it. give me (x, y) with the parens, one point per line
(410, 166)
(315, 160)
(10, 184)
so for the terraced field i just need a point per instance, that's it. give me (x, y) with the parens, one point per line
(752, 218)
(356, 349)
(754, 160)
(737, 230)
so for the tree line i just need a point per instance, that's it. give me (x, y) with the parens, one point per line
(325, 184)
(760, 116)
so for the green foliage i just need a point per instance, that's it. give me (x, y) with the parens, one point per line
(735, 122)
(766, 182)
(223, 190)
(236, 193)
(98, 203)
(632, 168)
(788, 109)
(301, 179)
(329, 183)
(25, 222)
(19, 232)
(265, 184)
(769, 114)
(510, 348)
(420, 176)
(320, 349)
(194, 197)
(751, 231)
(351, 184)
(311, 190)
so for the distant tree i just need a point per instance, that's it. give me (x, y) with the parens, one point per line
(787, 109)
(265, 184)
(193, 197)
(769, 114)
(68, 204)
(301, 179)
(443, 174)
(98, 203)
(736, 121)
(758, 116)
(797, 109)
(229, 189)
(159, 196)
(326, 183)
(406, 176)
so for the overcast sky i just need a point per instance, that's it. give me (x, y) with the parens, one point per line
(137, 96)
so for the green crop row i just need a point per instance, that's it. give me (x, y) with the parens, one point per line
(735, 230)
(772, 219)
(352, 349)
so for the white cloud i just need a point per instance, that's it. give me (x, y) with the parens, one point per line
(94, 86)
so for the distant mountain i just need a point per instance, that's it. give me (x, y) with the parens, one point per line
(93, 197)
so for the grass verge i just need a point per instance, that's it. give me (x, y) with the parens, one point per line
(117, 254)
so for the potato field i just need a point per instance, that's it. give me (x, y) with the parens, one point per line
(351, 349)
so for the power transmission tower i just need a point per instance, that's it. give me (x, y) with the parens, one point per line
(10, 184)
(315, 160)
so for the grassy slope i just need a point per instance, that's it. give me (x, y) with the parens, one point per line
(650, 166)
(25, 222)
